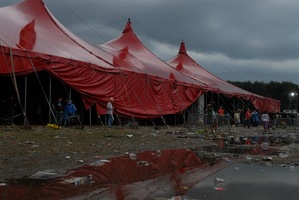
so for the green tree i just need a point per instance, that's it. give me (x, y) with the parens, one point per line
(276, 90)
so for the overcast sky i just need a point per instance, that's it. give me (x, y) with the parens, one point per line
(237, 40)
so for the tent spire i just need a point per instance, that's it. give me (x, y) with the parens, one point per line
(182, 48)
(128, 27)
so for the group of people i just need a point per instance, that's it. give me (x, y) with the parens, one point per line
(63, 111)
(248, 119)
(214, 118)
(252, 118)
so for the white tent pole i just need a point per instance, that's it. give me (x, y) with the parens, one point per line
(50, 97)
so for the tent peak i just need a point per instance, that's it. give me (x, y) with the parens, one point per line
(128, 27)
(182, 48)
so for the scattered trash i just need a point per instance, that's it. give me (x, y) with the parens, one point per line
(179, 198)
(267, 158)
(129, 136)
(158, 153)
(133, 156)
(281, 155)
(227, 159)
(283, 165)
(98, 156)
(86, 180)
(248, 159)
(100, 163)
(59, 137)
(47, 174)
(53, 126)
(80, 161)
(182, 189)
(218, 181)
(237, 168)
(67, 157)
(219, 188)
(202, 131)
(292, 168)
(3, 184)
(105, 161)
(142, 163)
(190, 133)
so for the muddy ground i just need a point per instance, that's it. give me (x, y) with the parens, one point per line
(24, 152)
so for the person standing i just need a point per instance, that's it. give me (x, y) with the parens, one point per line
(71, 111)
(58, 109)
(212, 117)
(109, 113)
(255, 118)
(247, 118)
(237, 120)
(65, 114)
(221, 115)
(265, 120)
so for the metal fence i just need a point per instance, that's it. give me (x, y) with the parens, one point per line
(199, 119)
(286, 122)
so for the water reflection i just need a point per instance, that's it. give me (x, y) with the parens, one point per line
(166, 174)
(119, 178)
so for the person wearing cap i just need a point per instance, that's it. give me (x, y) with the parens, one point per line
(109, 113)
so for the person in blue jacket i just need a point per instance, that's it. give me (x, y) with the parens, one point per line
(255, 118)
(69, 110)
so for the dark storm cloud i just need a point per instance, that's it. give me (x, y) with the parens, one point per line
(235, 39)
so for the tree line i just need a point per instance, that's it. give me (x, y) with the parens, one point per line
(273, 89)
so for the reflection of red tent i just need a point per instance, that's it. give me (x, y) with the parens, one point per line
(184, 63)
(124, 177)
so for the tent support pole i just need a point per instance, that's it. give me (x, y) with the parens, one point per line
(90, 116)
(25, 103)
(50, 97)
(70, 93)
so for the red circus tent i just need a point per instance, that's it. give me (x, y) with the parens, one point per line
(185, 64)
(142, 85)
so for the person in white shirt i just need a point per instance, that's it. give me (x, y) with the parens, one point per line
(265, 120)
(109, 113)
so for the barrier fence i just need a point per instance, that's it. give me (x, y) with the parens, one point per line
(286, 122)
(199, 119)
(225, 121)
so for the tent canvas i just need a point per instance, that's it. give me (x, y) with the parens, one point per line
(36, 41)
(184, 63)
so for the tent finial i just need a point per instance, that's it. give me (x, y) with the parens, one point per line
(182, 48)
(128, 27)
